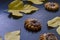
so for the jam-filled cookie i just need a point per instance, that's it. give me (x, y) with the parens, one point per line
(52, 6)
(32, 24)
(48, 36)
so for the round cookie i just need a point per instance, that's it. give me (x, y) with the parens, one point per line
(32, 25)
(48, 36)
(52, 6)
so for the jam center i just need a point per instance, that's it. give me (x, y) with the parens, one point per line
(51, 37)
(34, 21)
(52, 4)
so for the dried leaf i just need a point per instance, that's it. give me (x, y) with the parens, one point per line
(54, 22)
(16, 5)
(15, 12)
(12, 35)
(58, 30)
(0, 38)
(28, 8)
(37, 1)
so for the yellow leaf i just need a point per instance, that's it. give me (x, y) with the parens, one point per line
(16, 5)
(12, 35)
(28, 8)
(37, 1)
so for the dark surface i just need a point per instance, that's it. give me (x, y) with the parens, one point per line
(9, 24)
